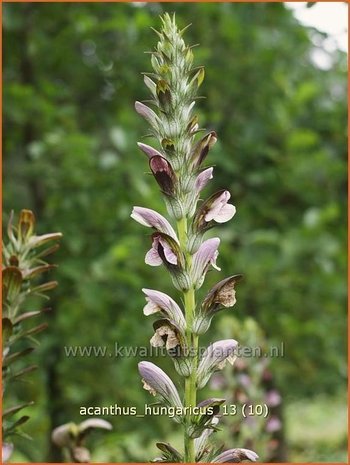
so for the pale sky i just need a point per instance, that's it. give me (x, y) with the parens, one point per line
(330, 17)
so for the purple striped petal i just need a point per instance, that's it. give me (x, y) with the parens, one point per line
(148, 150)
(221, 211)
(215, 358)
(146, 113)
(203, 258)
(7, 449)
(236, 456)
(159, 302)
(152, 219)
(157, 382)
(153, 258)
(203, 179)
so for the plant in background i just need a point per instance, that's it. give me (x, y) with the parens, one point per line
(71, 438)
(178, 167)
(22, 278)
(252, 384)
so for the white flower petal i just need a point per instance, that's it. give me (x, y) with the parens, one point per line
(152, 258)
(225, 214)
(153, 219)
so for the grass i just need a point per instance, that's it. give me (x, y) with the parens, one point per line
(317, 429)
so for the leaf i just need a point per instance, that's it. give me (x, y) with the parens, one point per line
(13, 357)
(10, 428)
(6, 330)
(32, 331)
(11, 282)
(169, 452)
(31, 314)
(24, 371)
(10, 411)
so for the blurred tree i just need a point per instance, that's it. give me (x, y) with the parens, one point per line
(71, 75)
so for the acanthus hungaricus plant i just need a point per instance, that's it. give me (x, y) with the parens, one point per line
(71, 437)
(179, 244)
(24, 266)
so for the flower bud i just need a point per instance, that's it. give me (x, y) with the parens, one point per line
(148, 150)
(26, 224)
(164, 174)
(164, 95)
(202, 148)
(147, 113)
(174, 207)
(168, 145)
(11, 283)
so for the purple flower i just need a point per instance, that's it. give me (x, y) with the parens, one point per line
(147, 113)
(219, 210)
(157, 382)
(236, 456)
(273, 424)
(203, 258)
(164, 174)
(148, 150)
(152, 219)
(161, 252)
(7, 449)
(203, 179)
(159, 302)
(273, 398)
(215, 358)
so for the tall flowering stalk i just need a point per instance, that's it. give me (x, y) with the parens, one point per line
(178, 167)
(24, 267)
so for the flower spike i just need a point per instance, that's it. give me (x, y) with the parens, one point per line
(178, 169)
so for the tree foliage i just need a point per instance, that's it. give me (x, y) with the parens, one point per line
(71, 75)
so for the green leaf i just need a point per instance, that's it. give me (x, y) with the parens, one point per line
(12, 410)
(6, 330)
(16, 355)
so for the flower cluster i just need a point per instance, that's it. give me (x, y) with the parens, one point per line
(178, 167)
(23, 262)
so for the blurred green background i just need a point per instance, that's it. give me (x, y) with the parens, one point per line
(71, 75)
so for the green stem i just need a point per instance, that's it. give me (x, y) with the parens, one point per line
(192, 344)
